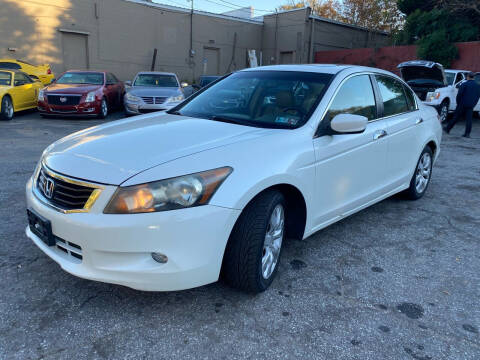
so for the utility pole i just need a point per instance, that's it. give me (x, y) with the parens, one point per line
(191, 52)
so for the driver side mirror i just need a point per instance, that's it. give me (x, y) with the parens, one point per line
(128, 83)
(348, 124)
(184, 84)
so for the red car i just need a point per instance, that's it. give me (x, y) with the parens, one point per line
(85, 93)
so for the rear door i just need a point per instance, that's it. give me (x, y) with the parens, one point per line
(401, 112)
(350, 168)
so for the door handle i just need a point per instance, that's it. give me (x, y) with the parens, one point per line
(379, 134)
(419, 121)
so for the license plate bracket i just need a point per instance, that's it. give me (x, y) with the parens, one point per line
(41, 227)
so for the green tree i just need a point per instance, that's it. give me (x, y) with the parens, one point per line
(434, 25)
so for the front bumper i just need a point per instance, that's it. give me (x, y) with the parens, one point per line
(82, 109)
(117, 248)
(142, 108)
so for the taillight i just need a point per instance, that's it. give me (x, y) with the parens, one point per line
(49, 72)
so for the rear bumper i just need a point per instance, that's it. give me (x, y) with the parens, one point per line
(117, 248)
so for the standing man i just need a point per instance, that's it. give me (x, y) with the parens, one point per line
(467, 97)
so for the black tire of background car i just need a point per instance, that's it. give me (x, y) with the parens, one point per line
(440, 110)
(101, 114)
(411, 193)
(6, 100)
(242, 262)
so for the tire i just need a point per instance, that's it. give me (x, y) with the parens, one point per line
(254, 244)
(103, 109)
(422, 174)
(7, 109)
(443, 111)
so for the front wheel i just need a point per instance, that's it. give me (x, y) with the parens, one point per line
(421, 178)
(7, 109)
(103, 109)
(255, 245)
(443, 111)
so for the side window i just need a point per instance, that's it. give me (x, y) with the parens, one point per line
(458, 78)
(21, 79)
(394, 99)
(9, 65)
(412, 105)
(354, 97)
(114, 78)
(109, 79)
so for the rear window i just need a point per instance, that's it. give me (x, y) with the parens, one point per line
(80, 78)
(5, 78)
(9, 65)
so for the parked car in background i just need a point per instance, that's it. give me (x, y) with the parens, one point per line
(17, 92)
(152, 91)
(36, 72)
(429, 81)
(171, 200)
(85, 93)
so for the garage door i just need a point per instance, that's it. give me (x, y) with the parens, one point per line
(75, 53)
(211, 61)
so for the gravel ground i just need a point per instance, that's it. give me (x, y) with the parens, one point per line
(399, 280)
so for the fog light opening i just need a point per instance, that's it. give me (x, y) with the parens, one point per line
(160, 258)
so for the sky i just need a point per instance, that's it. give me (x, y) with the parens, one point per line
(261, 7)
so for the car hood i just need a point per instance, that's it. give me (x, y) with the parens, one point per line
(114, 152)
(154, 91)
(71, 88)
(423, 73)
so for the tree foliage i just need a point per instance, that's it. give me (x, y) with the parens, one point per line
(434, 25)
(372, 14)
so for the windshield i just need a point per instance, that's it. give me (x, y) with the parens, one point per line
(477, 79)
(275, 99)
(450, 77)
(5, 78)
(156, 80)
(81, 78)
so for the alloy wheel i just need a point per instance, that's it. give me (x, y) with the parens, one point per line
(443, 113)
(273, 241)
(424, 170)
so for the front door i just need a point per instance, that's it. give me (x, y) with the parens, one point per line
(24, 92)
(350, 168)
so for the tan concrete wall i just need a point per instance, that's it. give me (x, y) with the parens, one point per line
(121, 35)
(294, 31)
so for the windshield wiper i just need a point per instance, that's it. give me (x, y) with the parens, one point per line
(229, 120)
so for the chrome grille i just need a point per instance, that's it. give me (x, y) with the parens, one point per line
(157, 100)
(63, 194)
(63, 99)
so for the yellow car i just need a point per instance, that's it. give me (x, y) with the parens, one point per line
(17, 92)
(36, 72)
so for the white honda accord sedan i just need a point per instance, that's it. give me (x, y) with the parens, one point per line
(170, 201)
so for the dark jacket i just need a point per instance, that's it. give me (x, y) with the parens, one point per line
(468, 94)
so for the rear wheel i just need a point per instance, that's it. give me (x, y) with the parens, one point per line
(103, 109)
(254, 248)
(7, 109)
(421, 178)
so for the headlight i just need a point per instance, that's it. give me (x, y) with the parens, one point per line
(170, 194)
(90, 97)
(132, 98)
(41, 95)
(433, 96)
(176, 98)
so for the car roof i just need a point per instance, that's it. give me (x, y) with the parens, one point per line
(155, 73)
(320, 68)
(88, 71)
